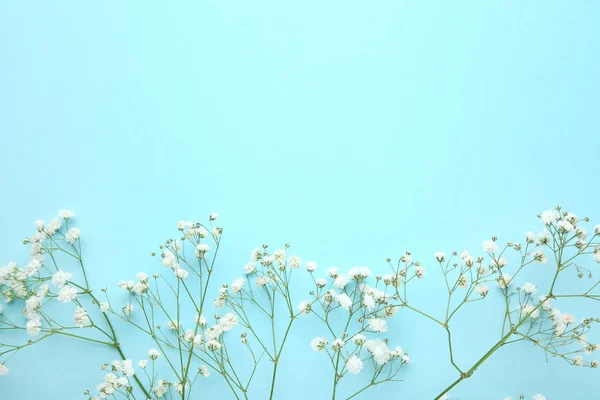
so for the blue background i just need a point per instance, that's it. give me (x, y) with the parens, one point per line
(354, 131)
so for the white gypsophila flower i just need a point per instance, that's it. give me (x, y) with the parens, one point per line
(173, 325)
(341, 281)
(140, 288)
(440, 256)
(539, 397)
(337, 344)
(128, 309)
(318, 344)
(321, 282)
(189, 336)
(142, 277)
(3, 370)
(161, 388)
(577, 360)
(378, 325)
(153, 354)
(213, 216)
(462, 282)
(539, 257)
(530, 237)
(294, 262)
(213, 345)
(543, 237)
(482, 290)
(359, 339)
(354, 365)
(594, 363)
(397, 352)
(490, 246)
(39, 225)
(332, 272)
(32, 305)
(65, 214)
(67, 294)
(213, 332)
(81, 317)
(204, 371)
(345, 301)
(72, 235)
(369, 302)
(549, 216)
(504, 281)
(126, 285)
(200, 320)
(379, 350)
(280, 255)
(256, 254)
(60, 278)
(249, 268)
(237, 285)
(420, 272)
(1, 308)
(228, 321)
(104, 306)
(53, 226)
(262, 281)
(34, 326)
(529, 310)
(529, 288)
(311, 266)
(168, 259)
(143, 364)
(564, 226)
(201, 250)
(359, 273)
(180, 273)
(198, 340)
(304, 307)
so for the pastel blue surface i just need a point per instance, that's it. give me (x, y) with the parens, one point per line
(355, 131)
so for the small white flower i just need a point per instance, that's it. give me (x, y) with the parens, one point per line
(345, 301)
(214, 216)
(66, 213)
(490, 246)
(462, 282)
(153, 354)
(369, 302)
(174, 325)
(304, 307)
(440, 256)
(104, 306)
(378, 325)
(359, 339)
(359, 273)
(67, 294)
(529, 288)
(81, 317)
(504, 281)
(354, 365)
(420, 272)
(482, 290)
(128, 309)
(321, 282)
(180, 273)
(332, 272)
(530, 237)
(143, 364)
(60, 278)
(3, 369)
(201, 250)
(341, 281)
(549, 216)
(577, 360)
(72, 235)
(294, 262)
(213, 345)
(203, 370)
(249, 268)
(237, 285)
(337, 344)
(311, 266)
(318, 344)
(228, 321)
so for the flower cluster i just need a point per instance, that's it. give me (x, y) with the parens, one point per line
(354, 309)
